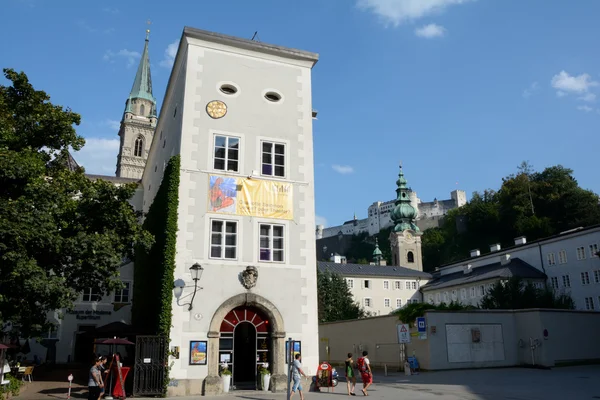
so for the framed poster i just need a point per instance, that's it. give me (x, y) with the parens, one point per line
(297, 347)
(198, 352)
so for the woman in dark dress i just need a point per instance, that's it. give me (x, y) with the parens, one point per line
(350, 377)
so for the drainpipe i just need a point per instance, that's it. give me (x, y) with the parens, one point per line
(541, 257)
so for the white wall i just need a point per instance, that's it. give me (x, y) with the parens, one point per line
(378, 293)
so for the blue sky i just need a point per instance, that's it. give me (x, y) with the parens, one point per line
(461, 91)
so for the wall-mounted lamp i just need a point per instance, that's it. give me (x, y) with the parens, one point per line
(196, 271)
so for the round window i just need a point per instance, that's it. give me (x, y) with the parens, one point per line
(272, 96)
(228, 89)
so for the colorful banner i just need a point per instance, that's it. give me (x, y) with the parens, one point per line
(250, 197)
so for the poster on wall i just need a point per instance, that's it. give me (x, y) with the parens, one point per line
(198, 352)
(250, 197)
(297, 350)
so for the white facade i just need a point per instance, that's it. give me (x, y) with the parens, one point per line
(569, 260)
(379, 215)
(285, 291)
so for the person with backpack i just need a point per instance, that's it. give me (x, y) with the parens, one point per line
(364, 367)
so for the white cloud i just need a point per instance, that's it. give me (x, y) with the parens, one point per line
(591, 97)
(585, 108)
(529, 91)
(130, 56)
(342, 169)
(98, 156)
(112, 124)
(170, 53)
(320, 220)
(399, 11)
(430, 31)
(566, 83)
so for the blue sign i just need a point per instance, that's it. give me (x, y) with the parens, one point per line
(421, 327)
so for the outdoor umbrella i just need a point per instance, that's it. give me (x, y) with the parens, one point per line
(113, 342)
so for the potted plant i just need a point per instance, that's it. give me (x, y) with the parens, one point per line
(225, 377)
(265, 376)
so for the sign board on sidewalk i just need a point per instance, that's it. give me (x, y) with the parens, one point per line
(421, 326)
(403, 333)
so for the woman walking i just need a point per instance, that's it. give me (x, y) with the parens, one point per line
(95, 383)
(350, 377)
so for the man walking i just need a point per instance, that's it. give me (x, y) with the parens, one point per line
(364, 367)
(296, 376)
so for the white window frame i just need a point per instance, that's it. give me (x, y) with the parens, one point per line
(446, 298)
(551, 259)
(350, 283)
(272, 164)
(562, 257)
(597, 276)
(580, 251)
(119, 293)
(554, 282)
(438, 298)
(398, 285)
(387, 303)
(398, 303)
(367, 300)
(585, 278)
(89, 293)
(463, 294)
(430, 299)
(589, 303)
(223, 233)
(414, 285)
(226, 160)
(386, 285)
(366, 284)
(566, 281)
(271, 238)
(481, 290)
(473, 292)
(454, 295)
(415, 301)
(593, 250)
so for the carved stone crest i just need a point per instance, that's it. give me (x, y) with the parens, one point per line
(249, 277)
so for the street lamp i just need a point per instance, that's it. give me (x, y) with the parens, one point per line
(196, 271)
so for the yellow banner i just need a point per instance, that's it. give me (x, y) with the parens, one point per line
(251, 197)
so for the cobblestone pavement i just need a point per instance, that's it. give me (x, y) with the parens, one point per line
(569, 383)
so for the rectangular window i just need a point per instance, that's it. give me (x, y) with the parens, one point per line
(473, 292)
(273, 159)
(593, 250)
(551, 259)
(446, 300)
(271, 242)
(438, 298)
(589, 303)
(350, 283)
(386, 285)
(226, 156)
(562, 257)
(398, 285)
(454, 295)
(581, 253)
(414, 285)
(367, 284)
(597, 276)
(398, 303)
(463, 294)
(386, 303)
(92, 294)
(415, 301)
(223, 239)
(367, 302)
(538, 285)
(482, 290)
(566, 281)
(554, 281)
(585, 278)
(430, 299)
(122, 295)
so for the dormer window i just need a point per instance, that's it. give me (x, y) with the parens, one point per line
(138, 148)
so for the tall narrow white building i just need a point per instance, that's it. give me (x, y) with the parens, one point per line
(239, 115)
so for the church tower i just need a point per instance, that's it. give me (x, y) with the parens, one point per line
(405, 238)
(138, 122)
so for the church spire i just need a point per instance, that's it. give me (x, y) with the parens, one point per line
(142, 85)
(404, 213)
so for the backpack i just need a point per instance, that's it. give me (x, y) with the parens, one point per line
(361, 364)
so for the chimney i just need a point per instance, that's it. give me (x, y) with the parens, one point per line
(475, 253)
(505, 259)
(520, 240)
(494, 247)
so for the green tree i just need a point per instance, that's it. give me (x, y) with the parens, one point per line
(516, 294)
(335, 299)
(410, 312)
(60, 233)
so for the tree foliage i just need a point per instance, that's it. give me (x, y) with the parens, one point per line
(410, 312)
(335, 300)
(529, 203)
(516, 294)
(60, 233)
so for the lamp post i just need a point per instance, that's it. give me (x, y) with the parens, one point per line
(196, 271)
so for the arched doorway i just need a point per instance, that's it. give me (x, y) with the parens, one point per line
(244, 344)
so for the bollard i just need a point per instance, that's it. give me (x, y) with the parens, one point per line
(70, 379)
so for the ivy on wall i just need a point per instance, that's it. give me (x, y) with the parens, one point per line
(154, 269)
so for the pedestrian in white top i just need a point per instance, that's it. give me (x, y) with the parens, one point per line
(296, 376)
